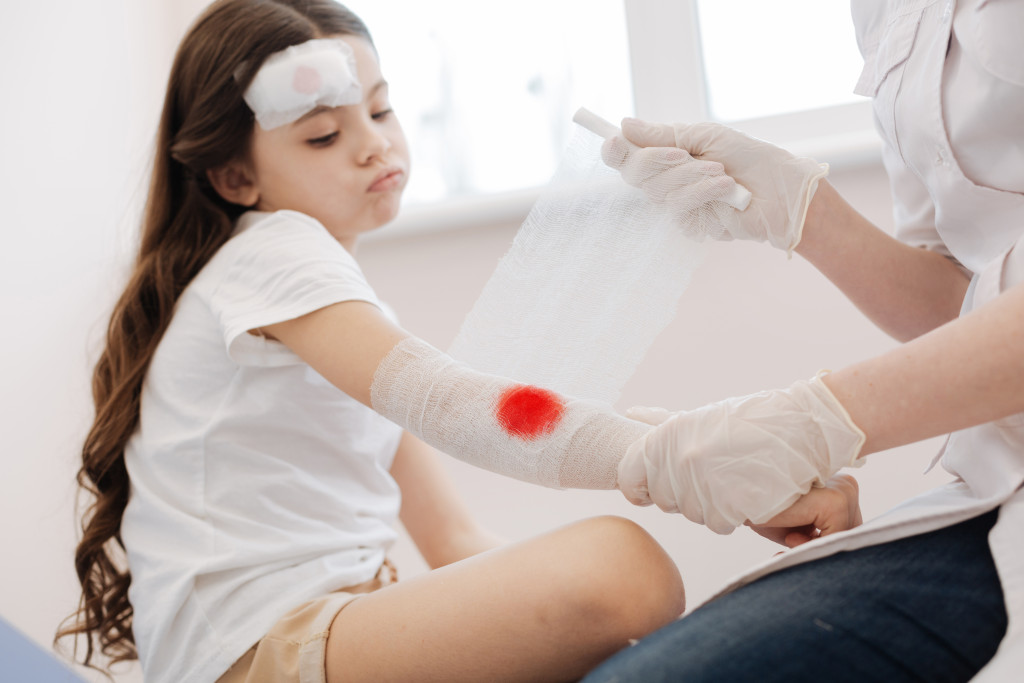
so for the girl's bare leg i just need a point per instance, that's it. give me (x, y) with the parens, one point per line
(546, 609)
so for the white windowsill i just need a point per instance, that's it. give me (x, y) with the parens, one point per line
(840, 140)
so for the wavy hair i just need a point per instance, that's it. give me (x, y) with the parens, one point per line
(204, 124)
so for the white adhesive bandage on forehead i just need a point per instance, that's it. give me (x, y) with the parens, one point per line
(298, 79)
(521, 431)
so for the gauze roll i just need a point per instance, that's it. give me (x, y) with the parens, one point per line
(594, 274)
(517, 430)
(296, 80)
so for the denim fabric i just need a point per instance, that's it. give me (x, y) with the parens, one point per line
(924, 608)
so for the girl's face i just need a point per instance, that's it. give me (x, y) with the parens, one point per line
(345, 166)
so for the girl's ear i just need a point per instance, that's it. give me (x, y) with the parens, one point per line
(234, 182)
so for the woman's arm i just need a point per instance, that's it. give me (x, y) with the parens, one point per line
(966, 372)
(904, 290)
(748, 458)
(432, 511)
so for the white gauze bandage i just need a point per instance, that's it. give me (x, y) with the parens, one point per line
(298, 79)
(594, 274)
(518, 430)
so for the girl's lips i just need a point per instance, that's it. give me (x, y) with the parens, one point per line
(387, 180)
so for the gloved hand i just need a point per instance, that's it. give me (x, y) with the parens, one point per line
(742, 459)
(782, 184)
(695, 192)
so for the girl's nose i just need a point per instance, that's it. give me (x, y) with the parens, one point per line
(373, 143)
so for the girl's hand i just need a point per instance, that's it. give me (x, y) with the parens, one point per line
(820, 512)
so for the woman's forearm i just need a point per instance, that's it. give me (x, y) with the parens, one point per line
(904, 290)
(965, 373)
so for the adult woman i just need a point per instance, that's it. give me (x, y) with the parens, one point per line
(923, 592)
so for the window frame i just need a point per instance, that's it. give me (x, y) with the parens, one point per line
(672, 87)
(669, 84)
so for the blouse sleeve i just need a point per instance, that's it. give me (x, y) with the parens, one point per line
(1002, 273)
(280, 268)
(913, 209)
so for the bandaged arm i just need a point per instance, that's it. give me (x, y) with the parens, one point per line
(492, 422)
(750, 457)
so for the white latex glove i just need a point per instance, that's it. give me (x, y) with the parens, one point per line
(742, 459)
(782, 184)
(693, 191)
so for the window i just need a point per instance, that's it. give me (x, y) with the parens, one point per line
(782, 71)
(764, 58)
(486, 91)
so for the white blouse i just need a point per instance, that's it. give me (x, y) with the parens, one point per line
(947, 80)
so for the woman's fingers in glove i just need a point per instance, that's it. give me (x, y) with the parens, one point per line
(669, 176)
(632, 479)
(643, 475)
(651, 416)
(696, 138)
(632, 473)
(647, 134)
(637, 164)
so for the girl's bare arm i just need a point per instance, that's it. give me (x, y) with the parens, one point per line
(433, 512)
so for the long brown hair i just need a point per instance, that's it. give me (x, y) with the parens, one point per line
(205, 123)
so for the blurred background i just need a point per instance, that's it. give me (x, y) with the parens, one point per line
(486, 93)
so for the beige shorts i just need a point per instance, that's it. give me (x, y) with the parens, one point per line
(294, 650)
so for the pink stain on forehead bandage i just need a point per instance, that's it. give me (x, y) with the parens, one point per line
(529, 412)
(306, 80)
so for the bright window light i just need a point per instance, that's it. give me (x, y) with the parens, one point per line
(486, 92)
(764, 58)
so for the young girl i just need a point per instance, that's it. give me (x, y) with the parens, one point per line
(235, 457)
(247, 454)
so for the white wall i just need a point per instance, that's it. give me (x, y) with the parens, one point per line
(79, 108)
(80, 104)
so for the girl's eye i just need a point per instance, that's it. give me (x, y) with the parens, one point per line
(323, 141)
(381, 115)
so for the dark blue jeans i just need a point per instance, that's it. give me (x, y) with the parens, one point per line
(925, 608)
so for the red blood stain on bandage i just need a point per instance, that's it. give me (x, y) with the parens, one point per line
(529, 412)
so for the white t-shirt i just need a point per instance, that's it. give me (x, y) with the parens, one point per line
(255, 484)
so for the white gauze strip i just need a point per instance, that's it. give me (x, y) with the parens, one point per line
(594, 274)
(296, 80)
(495, 423)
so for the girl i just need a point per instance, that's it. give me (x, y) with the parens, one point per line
(240, 455)
(233, 455)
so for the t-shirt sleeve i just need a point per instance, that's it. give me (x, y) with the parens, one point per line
(280, 268)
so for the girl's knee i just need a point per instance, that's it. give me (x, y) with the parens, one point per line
(627, 575)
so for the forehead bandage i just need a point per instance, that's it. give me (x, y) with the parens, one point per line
(293, 82)
(594, 274)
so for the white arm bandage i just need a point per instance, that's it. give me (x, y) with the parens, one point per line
(513, 429)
